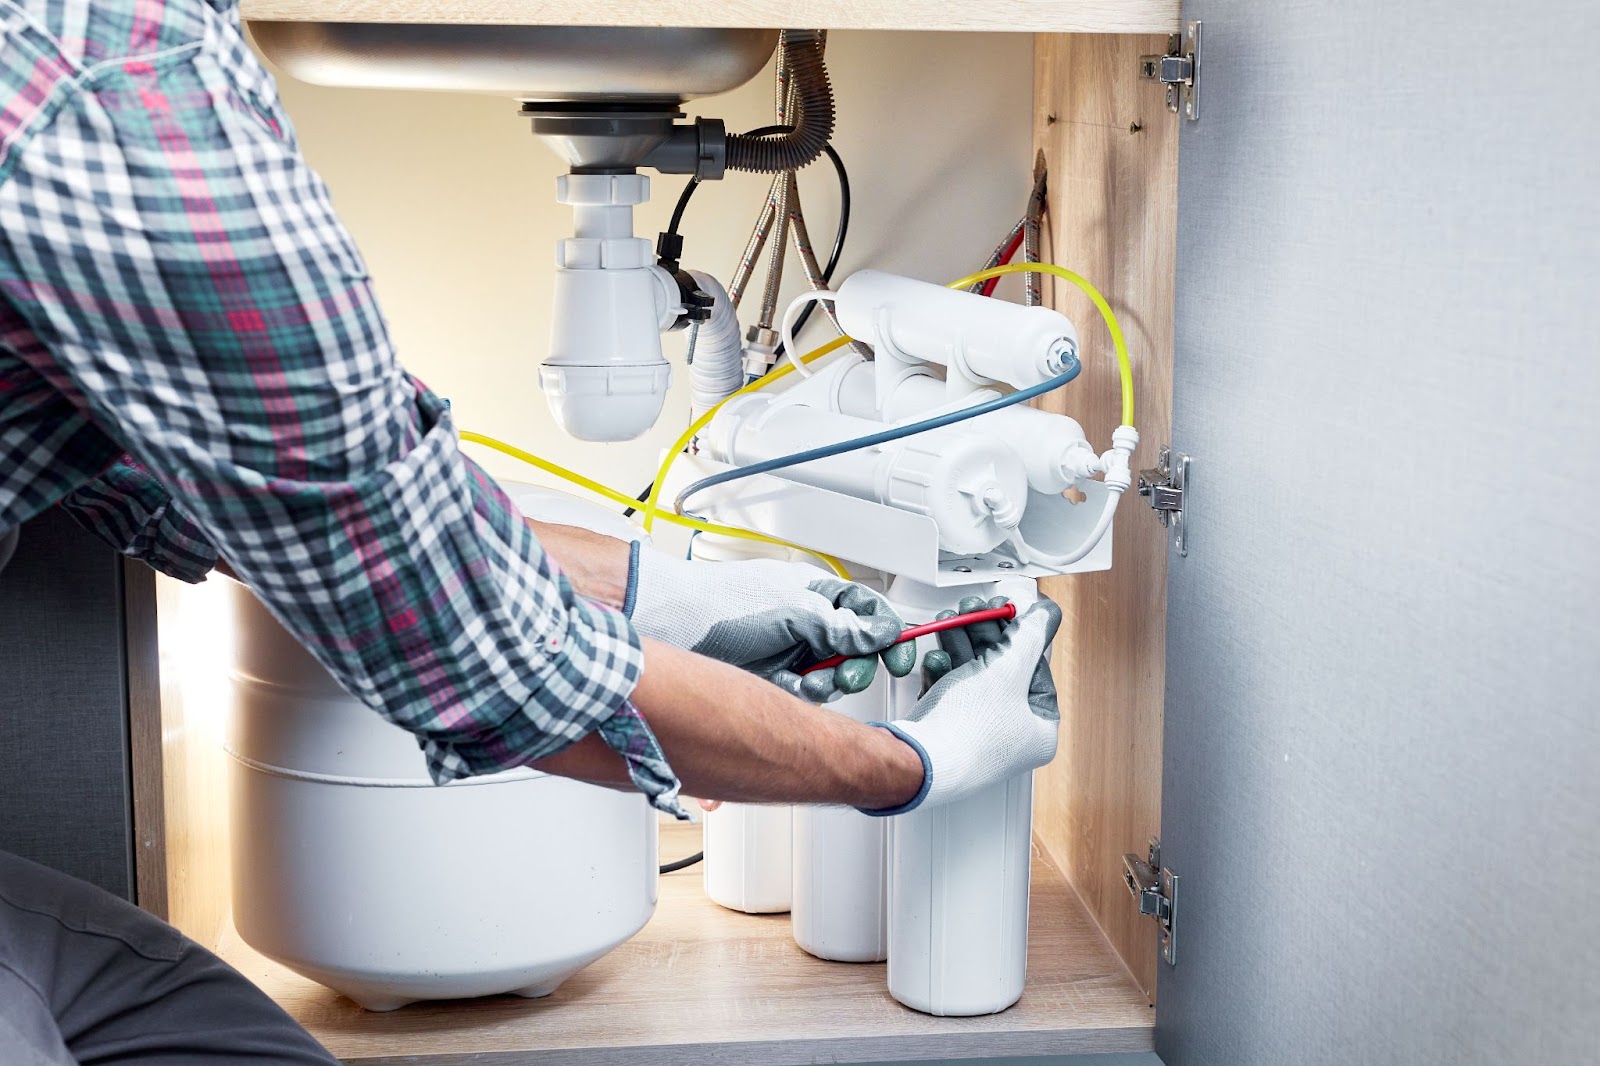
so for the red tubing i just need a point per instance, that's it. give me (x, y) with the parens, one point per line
(988, 614)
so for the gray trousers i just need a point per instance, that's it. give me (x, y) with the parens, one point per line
(86, 978)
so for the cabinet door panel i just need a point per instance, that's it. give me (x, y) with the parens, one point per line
(1382, 723)
(64, 782)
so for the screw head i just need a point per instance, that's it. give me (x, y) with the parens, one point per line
(962, 569)
(1007, 564)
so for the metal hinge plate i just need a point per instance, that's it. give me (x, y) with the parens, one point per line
(1155, 888)
(1166, 487)
(1178, 70)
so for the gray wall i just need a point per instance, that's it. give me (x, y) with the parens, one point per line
(1382, 787)
(1145, 1059)
(64, 785)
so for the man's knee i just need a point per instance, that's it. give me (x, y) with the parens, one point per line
(123, 986)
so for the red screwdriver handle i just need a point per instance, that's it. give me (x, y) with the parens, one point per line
(988, 614)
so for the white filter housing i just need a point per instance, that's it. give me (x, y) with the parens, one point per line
(959, 873)
(977, 339)
(841, 863)
(351, 868)
(749, 851)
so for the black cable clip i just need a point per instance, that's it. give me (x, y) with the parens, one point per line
(697, 303)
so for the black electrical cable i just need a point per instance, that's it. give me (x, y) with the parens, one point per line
(644, 494)
(839, 234)
(694, 183)
(683, 864)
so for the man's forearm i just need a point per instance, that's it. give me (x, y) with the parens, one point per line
(597, 565)
(732, 736)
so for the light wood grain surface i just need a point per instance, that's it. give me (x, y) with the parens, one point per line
(193, 767)
(1053, 16)
(142, 641)
(702, 985)
(1112, 150)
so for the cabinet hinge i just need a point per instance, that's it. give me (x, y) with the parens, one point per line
(1155, 888)
(1166, 486)
(1178, 70)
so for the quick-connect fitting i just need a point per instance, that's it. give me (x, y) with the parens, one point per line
(1002, 506)
(1080, 461)
(1118, 461)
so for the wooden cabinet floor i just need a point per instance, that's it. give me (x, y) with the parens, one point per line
(702, 985)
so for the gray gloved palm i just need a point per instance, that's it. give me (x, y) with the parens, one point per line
(989, 711)
(770, 617)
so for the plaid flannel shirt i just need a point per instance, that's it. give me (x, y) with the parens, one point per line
(191, 358)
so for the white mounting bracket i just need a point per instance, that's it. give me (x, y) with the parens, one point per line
(1178, 70)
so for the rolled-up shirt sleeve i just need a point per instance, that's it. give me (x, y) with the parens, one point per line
(128, 509)
(196, 295)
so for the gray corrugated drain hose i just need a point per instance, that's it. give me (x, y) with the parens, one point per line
(812, 120)
(8, 544)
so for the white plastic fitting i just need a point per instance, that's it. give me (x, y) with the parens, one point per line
(605, 377)
(1117, 462)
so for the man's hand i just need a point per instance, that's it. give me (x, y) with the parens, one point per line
(991, 711)
(771, 618)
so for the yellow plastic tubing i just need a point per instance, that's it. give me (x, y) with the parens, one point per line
(649, 511)
(1124, 367)
(628, 501)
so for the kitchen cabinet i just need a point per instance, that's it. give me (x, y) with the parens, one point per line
(1359, 712)
(1034, 16)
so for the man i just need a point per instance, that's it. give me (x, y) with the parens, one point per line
(192, 363)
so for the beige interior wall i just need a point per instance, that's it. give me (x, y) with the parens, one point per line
(452, 202)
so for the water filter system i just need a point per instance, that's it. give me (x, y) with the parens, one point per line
(913, 467)
(917, 470)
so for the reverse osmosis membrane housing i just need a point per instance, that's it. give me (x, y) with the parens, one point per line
(351, 868)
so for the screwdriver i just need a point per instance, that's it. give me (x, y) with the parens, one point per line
(988, 614)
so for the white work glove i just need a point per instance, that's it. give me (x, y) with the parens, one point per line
(769, 617)
(990, 711)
